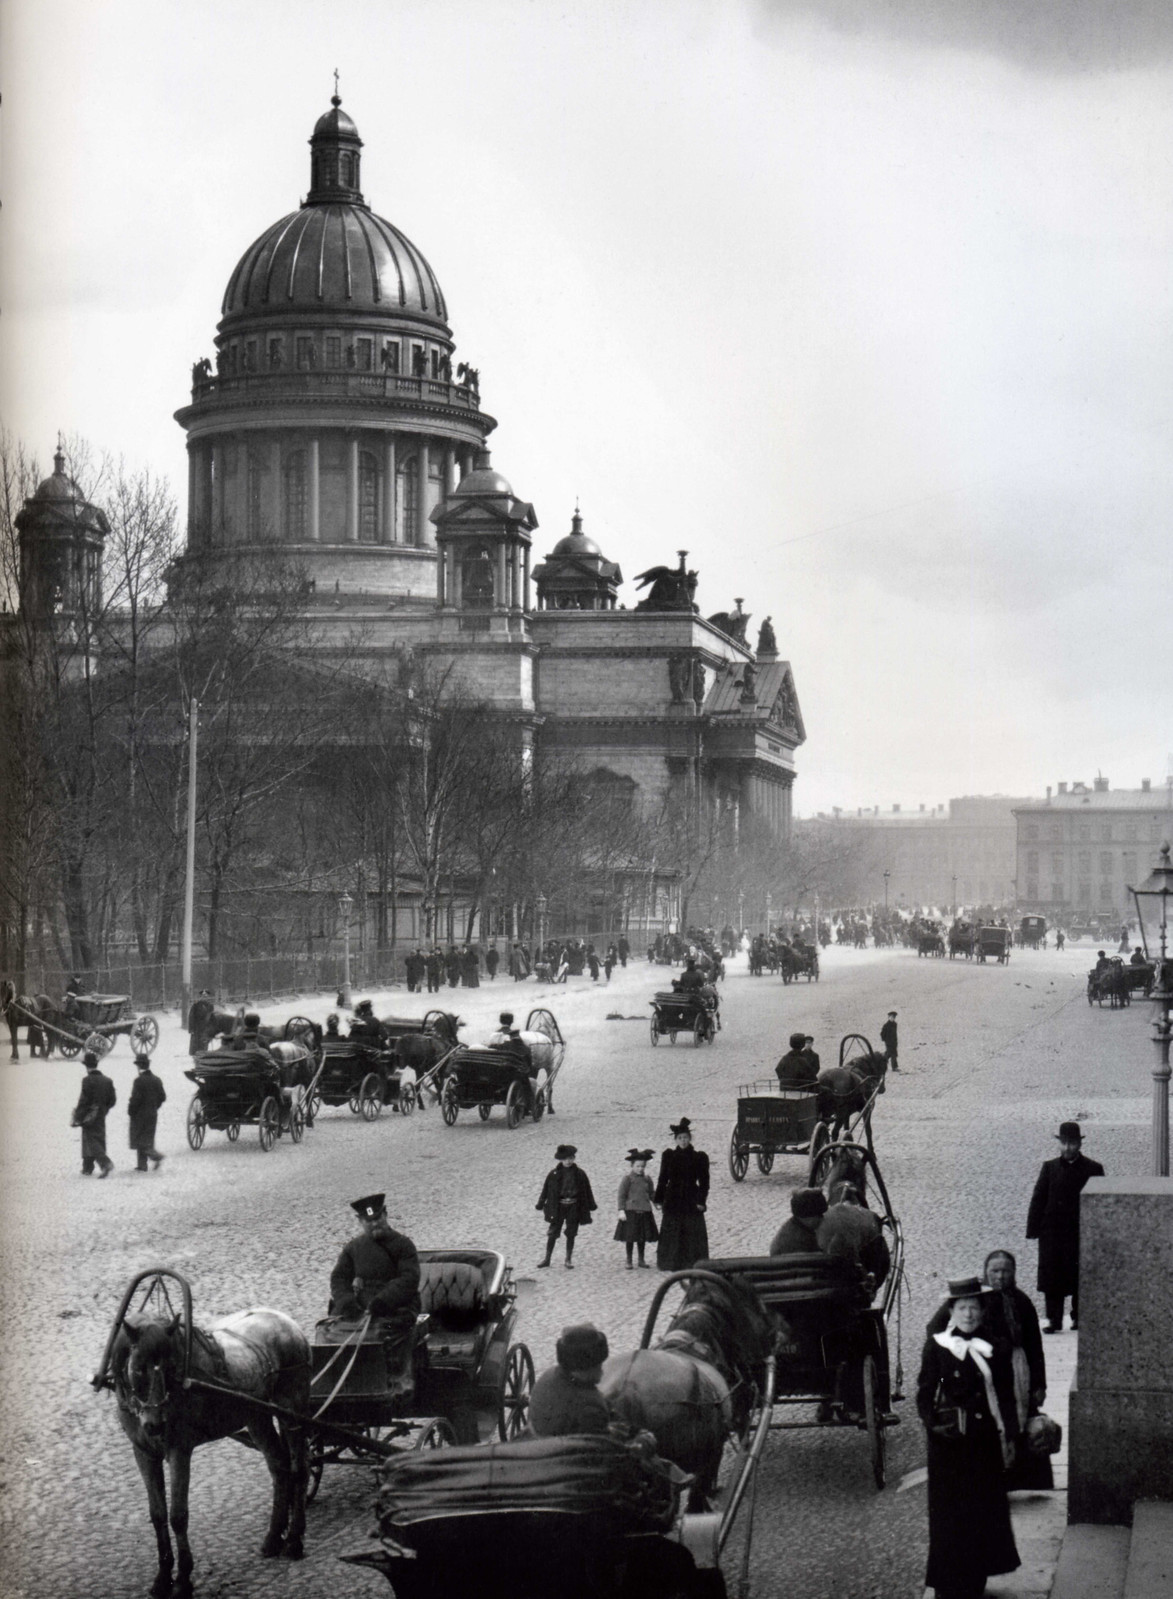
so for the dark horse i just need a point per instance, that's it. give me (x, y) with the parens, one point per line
(29, 1011)
(695, 1388)
(420, 1051)
(259, 1354)
(845, 1090)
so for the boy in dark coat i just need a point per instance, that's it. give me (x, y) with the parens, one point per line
(146, 1096)
(1053, 1219)
(97, 1098)
(566, 1397)
(566, 1201)
(889, 1040)
(796, 1069)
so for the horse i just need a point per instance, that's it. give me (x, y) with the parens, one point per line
(420, 1052)
(29, 1011)
(696, 1387)
(259, 1354)
(844, 1091)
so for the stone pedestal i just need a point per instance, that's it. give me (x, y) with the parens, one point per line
(1121, 1415)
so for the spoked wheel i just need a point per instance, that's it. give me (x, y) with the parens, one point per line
(297, 1119)
(484, 1110)
(655, 1031)
(449, 1104)
(738, 1158)
(269, 1123)
(315, 1460)
(355, 1104)
(538, 1108)
(197, 1122)
(370, 1097)
(672, 1035)
(406, 1100)
(517, 1380)
(70, 1047)
(144, 1035)
(820, 1138)
(99, 1044)
(765, 1159)
(233, 1131)
(517, 1102)
(699, 1031)
(313, 1105)
(435, 1434)
(877, 1433)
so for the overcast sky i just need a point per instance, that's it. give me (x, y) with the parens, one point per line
(864, 303)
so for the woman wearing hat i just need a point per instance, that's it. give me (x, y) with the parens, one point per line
(637, 1224)
(1053, 1219)
(965, 1398)
(683, 1191)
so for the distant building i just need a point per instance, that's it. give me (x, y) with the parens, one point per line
(960, 855)
(1081, 848)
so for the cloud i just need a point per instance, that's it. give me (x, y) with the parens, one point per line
(1044, 36)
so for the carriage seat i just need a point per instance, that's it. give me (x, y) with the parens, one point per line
(452, 1292)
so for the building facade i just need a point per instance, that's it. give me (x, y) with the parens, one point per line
(1082, 847)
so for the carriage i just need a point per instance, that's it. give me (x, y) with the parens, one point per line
(962, 938)
(773, 1120)
(94, 1021)
(1118, 981)
(832, 1346)
(518, 1074)
(993, 943)
(693, 1011)
(363, 1075)
(251, 1084)
(800, 960)
(930, 941)
(1032, 933)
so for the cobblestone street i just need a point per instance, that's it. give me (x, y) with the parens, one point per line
(992, 1059)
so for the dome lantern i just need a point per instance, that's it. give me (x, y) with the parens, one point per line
(335, 159)
(576, 576)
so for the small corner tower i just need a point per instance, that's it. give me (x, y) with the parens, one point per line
(61, 540)
(483, 543)
(576, 576)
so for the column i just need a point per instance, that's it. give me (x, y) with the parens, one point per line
(352, 490)
(466, 459)
(525, 587)
(216, 459)
(423, 531)
(313, 492)
(193, 467)
(278, 465)
(515, 576)
(443, 579)
(457, 583)
(449, 471)
(389, 494)
(502, 578)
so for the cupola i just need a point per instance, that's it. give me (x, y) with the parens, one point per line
(61, 540)
(483, 542)
(576, 576)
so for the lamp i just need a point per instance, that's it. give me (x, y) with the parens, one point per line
(345, 1001)
(1152, 912)
(540, 907)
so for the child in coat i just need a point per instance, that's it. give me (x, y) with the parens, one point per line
(637, 1225)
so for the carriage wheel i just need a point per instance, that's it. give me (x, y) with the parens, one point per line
(315, 1460)
(269, 1122)
(299, 1027)
(233, 1131)
(699, 1031)
(877, 1436)
(370, 1097)
(538, 1108)
(517, 1380)
(820, 1138)
(313, 1105)
(69, 1047)
(297, 1119)
(484, 1110)
(144, 1035)
(516, 1103)
(655, 1031)
(449, 1104)
(738, 1158)
(99, 1044)
(765, 1159)
(436, 1434)
(406, 1100)
(671, 1035)
(197, 1122)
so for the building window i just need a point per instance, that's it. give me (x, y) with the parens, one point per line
(1056, 830)
(274, 353)
(363, 348)
(476, 578)
(333, 350)
(1085, 893)
(390, 357)
(306, 354)
(1057, 893)
(1106, 833)
(346, 169)
(368, 497)
(295, 497)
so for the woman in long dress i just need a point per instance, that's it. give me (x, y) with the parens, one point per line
(682, 1190)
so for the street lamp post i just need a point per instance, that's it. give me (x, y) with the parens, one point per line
(769, 911)
(540, 908)
(887, 875)
(1152, 912)
(953, 906)
(344, 996)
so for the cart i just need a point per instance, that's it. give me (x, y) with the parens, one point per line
(479, 1079)
(993, 943)
(93, 1022)
(1032, 932)
(774, 1121)
(250, 1084)
(363, 1076)
(696, 1012)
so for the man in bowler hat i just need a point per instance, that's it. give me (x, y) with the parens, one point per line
(566, 1202)
(146, 1096)
(1053, 1219)
(97, 1098)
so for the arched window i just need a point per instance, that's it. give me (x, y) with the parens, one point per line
(368, 497)
(346, 173)
(295, 497)
(476, 578)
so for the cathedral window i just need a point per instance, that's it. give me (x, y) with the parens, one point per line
(368, 497)
(305, 351)
(476, 578)
(255, 474)
(346, 164)
(333, 350)
(363, 351)
(390, 357)
(435, 363)
(295, 497)
(250, 356)
(275, 353)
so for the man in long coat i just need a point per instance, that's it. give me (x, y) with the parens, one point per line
(146, 1096)
(199, 1022)
(1053, 1219)
(566, 1202)
(682, 1189)
(96, 1100)
(379, 1272)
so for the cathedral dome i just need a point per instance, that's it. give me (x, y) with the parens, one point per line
(334, 254)
(483, 479)
(576, 541)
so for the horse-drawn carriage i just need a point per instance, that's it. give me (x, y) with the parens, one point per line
(84, 1021)
(930, 941)
(518, 1073)
(695, 1011)
(1032, 933)
(1116, 981)
(993, 943)
(799, 960)
(251, 1083)
(962, 938)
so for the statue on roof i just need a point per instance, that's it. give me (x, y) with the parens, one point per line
(732, 623)
(767, 643)
(671, 589)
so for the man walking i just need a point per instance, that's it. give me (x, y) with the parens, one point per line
(97, 1098)
(566, 1201)
(1053, 1219)
(434, 966)
(146, 1096)
(888, 1039)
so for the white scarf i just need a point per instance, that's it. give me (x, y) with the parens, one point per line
(980, 1352)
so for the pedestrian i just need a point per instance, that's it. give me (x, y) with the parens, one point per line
(434, 967)
(808, 1049)
(492, 961)
(452, 963)
(146, 1096)
(471, 967)
(889, 1041)
(200, 1023)
(566, 1202)
(637, 1224)
(965, 1400)
(1060, 939)
(624, 951)
(566, 1398)
(593, 963)
(96, 1100)
(682, 1192)
(1053, 1219)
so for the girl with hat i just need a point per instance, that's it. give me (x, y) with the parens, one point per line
(682, 1190)
(637, 1224)
(965, 1398)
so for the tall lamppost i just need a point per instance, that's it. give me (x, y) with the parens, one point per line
(540, 908)
(1152, 912)
(740, 911)
(887, 875)
(769, 911)
(344, 998)
(953, 906)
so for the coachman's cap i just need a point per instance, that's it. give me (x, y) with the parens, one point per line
(965, 1288)
(582, 1347)
(1070, 1131)
(891, 1013)
(807, 1203)
(371, 1206)
(566, 1152)
(682, 1126)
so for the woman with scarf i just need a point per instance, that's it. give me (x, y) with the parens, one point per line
(965, 1398)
